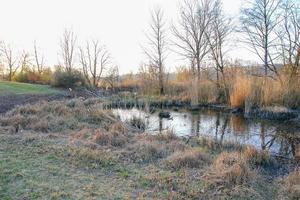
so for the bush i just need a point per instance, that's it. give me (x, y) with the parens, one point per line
(68, 79)
(32, 76)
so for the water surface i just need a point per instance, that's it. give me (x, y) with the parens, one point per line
(280, 138)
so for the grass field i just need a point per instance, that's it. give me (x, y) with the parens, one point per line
(7, 88)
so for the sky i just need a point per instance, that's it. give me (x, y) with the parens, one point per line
(118, 24)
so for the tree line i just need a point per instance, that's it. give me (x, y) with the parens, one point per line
(268, 28)
(202, 32)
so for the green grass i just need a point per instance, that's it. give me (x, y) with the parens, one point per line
(25, 88)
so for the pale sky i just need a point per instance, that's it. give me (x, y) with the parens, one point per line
(119, 24)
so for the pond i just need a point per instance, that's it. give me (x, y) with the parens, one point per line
(279, 138)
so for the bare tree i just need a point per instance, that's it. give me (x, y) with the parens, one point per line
(39, 60)
(67, 45)
(157, 45)
(191, 41)
(217, 36)
(24, 61)
(259, 20)
(195, 17)
(94, 59)
(10, 60)
(112, 77)
(289, 34)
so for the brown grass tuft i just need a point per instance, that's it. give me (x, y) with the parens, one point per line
(146, 151)
(189, 158)
(291, 186)
(151, 147)
(116, 139)
(255, 157)
(230, 169)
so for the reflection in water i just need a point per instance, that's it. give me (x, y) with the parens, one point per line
(238, 124)
(160, 125)
(262, 135)
(278, 137)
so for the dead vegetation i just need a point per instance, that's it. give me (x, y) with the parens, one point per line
(189, 158)
(81, 135)
(291, 186)
(57, 116)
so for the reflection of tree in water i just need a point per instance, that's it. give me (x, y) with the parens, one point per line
(195, 124)
(238, 125)
(219, 126)
(160, 127)
(263, 136)
(289, 140)
(223, 129)
(286, 136)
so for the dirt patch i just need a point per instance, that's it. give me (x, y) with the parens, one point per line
(9, 102)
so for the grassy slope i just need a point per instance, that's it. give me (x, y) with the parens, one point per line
(24, 88)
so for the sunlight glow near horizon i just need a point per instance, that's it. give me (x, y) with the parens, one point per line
(118, 24)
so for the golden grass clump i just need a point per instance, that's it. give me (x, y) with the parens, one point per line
(116, 139)
(191, 158)
(146, 151)
(230, 169)
(256, 158)
(150, 148)
(116, 136)
(118, 127)
(166, 136)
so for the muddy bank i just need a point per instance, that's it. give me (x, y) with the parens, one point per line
(271, 113)
(268, 113)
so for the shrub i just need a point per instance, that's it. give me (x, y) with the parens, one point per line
(32, 76)
(68, 79)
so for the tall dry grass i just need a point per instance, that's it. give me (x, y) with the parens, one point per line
(243, 88)
(240, 91)
(254, 91)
